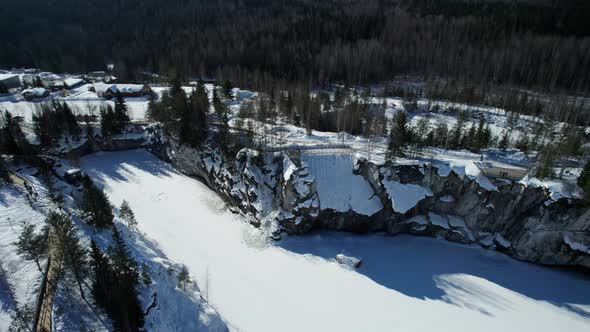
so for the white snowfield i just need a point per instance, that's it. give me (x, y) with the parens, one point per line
(405, 283)
(19, 279)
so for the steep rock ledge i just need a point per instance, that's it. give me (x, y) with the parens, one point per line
(271, 189)
(276, 191)
(518, 220)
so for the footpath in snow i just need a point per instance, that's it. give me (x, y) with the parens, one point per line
(404, 283)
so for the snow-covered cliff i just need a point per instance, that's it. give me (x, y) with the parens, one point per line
(295, 192)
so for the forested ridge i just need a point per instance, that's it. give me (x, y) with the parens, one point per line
(534, 44)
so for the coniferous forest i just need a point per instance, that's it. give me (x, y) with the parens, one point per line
(541, 44)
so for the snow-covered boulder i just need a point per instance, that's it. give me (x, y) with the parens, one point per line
(349, 261)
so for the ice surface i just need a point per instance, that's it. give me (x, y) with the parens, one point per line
(405, 283)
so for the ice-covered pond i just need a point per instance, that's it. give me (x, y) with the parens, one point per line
(404, 283)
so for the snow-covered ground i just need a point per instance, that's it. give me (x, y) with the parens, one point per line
(19, 279)
(404, 283)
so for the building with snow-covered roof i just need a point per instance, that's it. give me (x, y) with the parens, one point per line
(127, 90)
(10, 81)
(30, 94)
(71, 83)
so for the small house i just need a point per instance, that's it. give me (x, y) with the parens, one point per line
(10, 81)
(108, 91)
(72, 83)
(34, 93)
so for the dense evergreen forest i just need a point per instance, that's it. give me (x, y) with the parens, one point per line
(542, 44)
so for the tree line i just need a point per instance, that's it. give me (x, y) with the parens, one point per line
(541, 44)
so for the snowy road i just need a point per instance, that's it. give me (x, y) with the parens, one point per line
(405, 283)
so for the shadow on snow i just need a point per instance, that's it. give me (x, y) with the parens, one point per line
(428, 268)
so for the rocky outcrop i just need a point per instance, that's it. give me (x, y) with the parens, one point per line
(276, 190)
(518, 220)
(271, 189)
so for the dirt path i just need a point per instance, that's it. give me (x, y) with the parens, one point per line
(43, 317)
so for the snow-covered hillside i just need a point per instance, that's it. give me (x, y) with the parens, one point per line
(404, 283)
(19, 279)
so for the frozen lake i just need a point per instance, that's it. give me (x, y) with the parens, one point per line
(405, 283)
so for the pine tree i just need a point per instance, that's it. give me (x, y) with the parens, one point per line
(183, 278)
(479, 140)
(108, 125)
(571, 142)
(32, 245)
(154, 109)
(505, 141)
(523, 143)
(422, 130)
(193, 115)
(12, 136)
(129, 315)
(441, 134)
(70, 122)
(123, 263)
(95, 205)
(398, 134)
(72, 252)
(228, 90)
(102, 278)
(121, 115)
(127, 214)
(545, 162)
(455, 142)
(469, 140)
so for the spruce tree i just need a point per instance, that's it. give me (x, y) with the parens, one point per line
(194, 116)
(70, 122)
(183, 278)
(545, 163)
(72, 252)
(505, 141)
(11, 133)
(441, 134)
(127, 214)
(523, 143)
(96, 207)
(102, 278)
(470, 140)
(154, 110)
(129, 315)
(228, 90)
(480, 138)
(108, 125)
(398, 134)
(121, 115)
(457, 131)
(32, 245)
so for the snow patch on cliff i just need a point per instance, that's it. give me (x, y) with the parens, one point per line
(338, 187)
(464, 168)
(405, 196)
